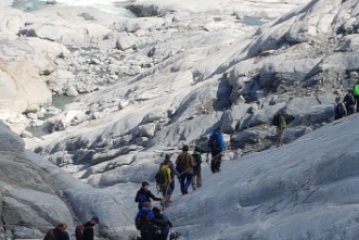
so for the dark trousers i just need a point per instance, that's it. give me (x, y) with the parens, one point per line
(186, 180)
(172, 185)
(216, 161)
(350, 109)
(357, 102)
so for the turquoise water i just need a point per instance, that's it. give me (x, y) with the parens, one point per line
(253, 21)
(30, 6)
(107, 6)
(59, 102)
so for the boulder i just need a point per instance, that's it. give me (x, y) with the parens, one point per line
(125, 42)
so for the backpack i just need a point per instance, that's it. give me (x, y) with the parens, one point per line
(214, 142)
(143, 220)
(141, 200)
(340, 109)
(150, 230)
(79, 232)
(160, 177)
(276, 120)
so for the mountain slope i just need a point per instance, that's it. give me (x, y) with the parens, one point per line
(305, 190)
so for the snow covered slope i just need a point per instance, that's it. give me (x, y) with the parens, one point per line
(305, 190)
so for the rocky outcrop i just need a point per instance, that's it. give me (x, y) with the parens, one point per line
(36, 195)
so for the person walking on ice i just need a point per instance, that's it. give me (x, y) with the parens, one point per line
(85, 231)
(144, 195)
(215, 146)
(163, 179)
(174, 172)
(197, 175)
(185, 166)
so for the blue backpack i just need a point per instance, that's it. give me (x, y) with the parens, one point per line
(141, 200)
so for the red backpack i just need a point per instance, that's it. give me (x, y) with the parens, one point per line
(79, 232)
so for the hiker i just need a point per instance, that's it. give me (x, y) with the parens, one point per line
(197, 175)
(85, 231)
(58, 233)
(356, 94)
(339, 109)
(163, 179)
(144, 222)
(144, 195)
(163, 222)
(185, 166)
(349, 102)
(216, 145)
(174, 171)
(50, 235)
(280, 121)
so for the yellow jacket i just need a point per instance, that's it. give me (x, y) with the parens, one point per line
(167, 172)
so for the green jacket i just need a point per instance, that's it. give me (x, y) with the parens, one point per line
(198, 161)
(356, 90)
(282, 122)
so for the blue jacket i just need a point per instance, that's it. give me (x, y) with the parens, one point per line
(221, 142)
(147, 211)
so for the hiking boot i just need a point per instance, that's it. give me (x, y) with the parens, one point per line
(169, 200)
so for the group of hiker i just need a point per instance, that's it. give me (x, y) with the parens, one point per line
(187, 168)
(82, 232)
(341, 109)
(347, 106)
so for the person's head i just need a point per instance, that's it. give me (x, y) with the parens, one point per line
(218, 128)
(50, 235)
(197, 149)
(350, 90)
(145, 184)
(167, 162)
(147, 205)
(167, 156)
(156, 210)
(62, 226)
(185, 148)
(284, 112)
(337, 99)
(94, 220)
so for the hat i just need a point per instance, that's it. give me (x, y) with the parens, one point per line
(167, 156)
(96, 219)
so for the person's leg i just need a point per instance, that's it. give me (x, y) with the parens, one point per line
(219, 160)
(183, 178)
(194, 182)
(357, 102)
(166, 192)
(169, 193)
(280, 137)
(199, 179)
(213, 162)
(189, 181)
(172, 185)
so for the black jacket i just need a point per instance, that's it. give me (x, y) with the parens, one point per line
(349, 100)
(88, 232)
(160, 221)
(147, 194)
(59, 235)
